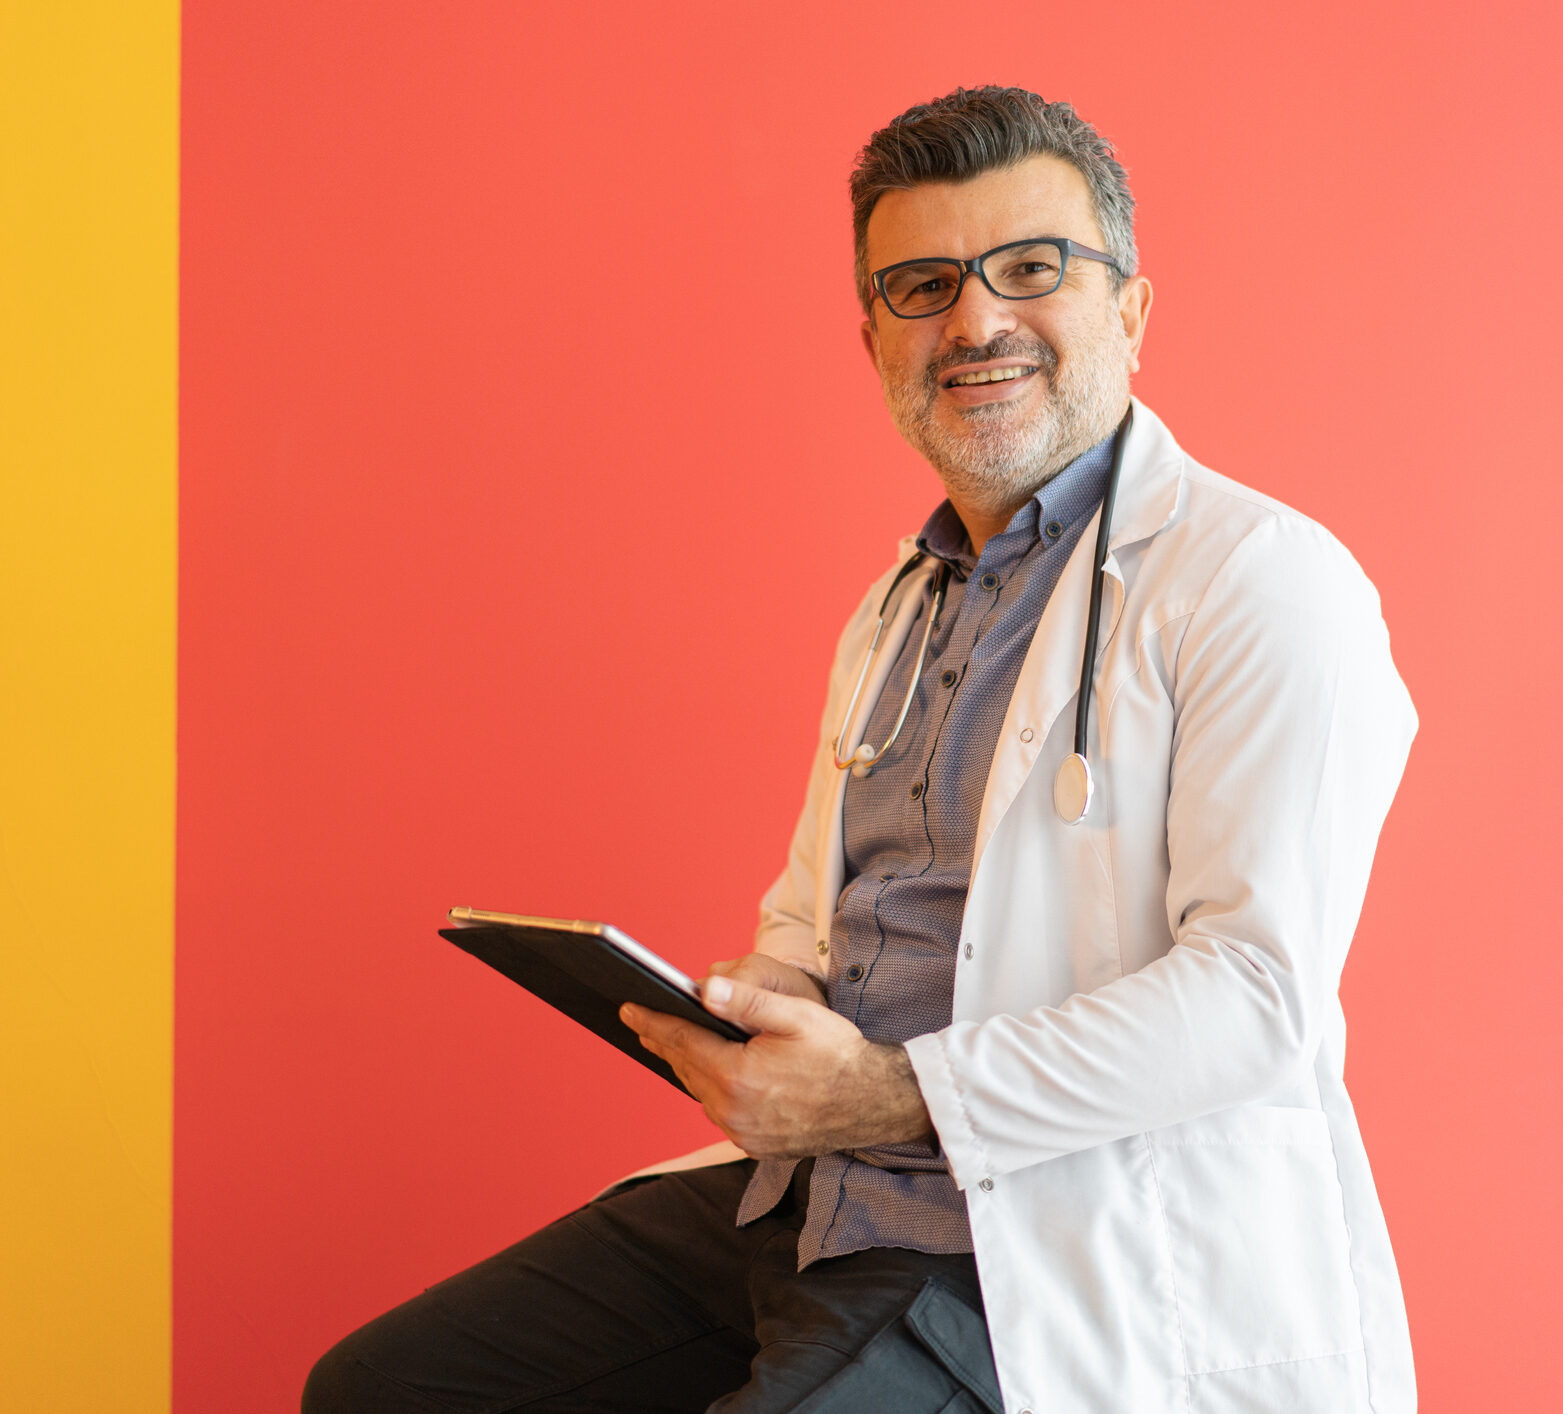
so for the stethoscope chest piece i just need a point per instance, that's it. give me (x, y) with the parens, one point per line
(1072, 788)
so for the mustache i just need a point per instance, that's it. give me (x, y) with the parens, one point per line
(1044, 355)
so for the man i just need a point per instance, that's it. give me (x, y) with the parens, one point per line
(1044, 1110)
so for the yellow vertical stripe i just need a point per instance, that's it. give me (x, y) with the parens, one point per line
(89, 108)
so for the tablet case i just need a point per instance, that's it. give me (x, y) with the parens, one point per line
(588, 979)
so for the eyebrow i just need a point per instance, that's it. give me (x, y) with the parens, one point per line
(988, 250)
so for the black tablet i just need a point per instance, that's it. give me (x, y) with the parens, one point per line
(587, 971)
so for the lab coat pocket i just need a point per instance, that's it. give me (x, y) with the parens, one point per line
(1257, 1233)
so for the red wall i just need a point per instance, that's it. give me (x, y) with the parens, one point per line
(519, 515)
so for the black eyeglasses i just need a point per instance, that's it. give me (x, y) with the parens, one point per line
(916, 289)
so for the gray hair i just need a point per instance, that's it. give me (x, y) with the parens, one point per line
(977, 130)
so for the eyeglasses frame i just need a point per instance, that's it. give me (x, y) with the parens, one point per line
(974, 266)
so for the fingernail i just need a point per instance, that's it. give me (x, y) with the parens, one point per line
(625, 1012)
(718, 990)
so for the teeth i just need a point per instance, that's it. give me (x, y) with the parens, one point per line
(997, 375)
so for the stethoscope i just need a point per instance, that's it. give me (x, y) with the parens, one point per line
(1073, 784)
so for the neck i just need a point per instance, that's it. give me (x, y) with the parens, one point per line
(982, 522)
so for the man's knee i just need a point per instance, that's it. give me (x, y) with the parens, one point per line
(341, 1383)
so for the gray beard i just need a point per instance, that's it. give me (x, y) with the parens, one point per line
(997, 459)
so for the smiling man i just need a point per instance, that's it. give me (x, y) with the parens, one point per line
(1043, 1108)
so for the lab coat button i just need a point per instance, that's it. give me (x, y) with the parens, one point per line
(1026, 734)
(822, 947)
(986, 1185)
(968, 950)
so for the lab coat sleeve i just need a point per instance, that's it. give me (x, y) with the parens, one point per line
(1291, 732)
(786, 928)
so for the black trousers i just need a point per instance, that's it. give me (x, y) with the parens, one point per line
(650, 1299)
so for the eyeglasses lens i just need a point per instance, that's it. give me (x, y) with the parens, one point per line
(1025, 271)
(923, 288)
(1015, 272)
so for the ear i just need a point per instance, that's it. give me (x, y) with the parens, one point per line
(1134, 308)
(870, 342)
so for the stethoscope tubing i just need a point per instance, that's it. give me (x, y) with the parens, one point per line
(862, 758)
(1093, 618)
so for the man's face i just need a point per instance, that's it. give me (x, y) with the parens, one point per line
(994, 443)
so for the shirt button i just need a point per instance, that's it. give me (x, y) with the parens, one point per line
(1026, 734)
(1055, 529)
(854, 972)
(947, 678)
(968, 949)
(986, 1185)
(916, 791)
(989, 580)
(886, 878)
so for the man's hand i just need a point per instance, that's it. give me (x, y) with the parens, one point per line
(759, 969)
(807, 1082)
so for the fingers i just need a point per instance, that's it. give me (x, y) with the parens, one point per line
(811, 986)
(668, 1036)
(761, 970)
(675, 1062)
(755, 968)
(757, 1008)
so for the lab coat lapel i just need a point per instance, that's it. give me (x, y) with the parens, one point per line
(1050, 677)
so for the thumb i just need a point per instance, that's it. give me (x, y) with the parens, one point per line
(756, 1008)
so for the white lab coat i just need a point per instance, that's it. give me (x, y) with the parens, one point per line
(1140, 1093)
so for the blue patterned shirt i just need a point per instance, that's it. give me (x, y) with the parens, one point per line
(909, 831)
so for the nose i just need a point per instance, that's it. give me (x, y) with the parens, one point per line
(978, 315)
